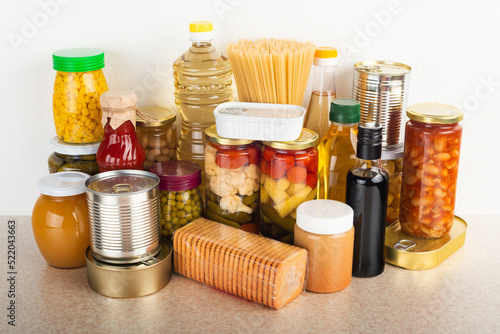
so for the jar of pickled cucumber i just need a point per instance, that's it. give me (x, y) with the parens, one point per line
(289, 178)
(158, 134)
(180, 195)
(232, 181)
(73, 157)
(78, 85)
(392, 161)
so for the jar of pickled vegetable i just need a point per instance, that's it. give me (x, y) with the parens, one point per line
(78, 85)
(60, 219)
(232, 181)
(392, 161)
(73, 157)
(180, 195)
(430, 169)
(289, 178)
(158, 134)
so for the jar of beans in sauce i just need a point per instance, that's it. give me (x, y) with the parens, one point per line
(158, 134)
(78, 85)
(289, 176)
(180, 195)
(430, 168)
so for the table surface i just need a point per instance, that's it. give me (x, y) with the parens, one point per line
(462, 294)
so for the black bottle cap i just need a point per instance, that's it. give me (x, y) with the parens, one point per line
(369, 142)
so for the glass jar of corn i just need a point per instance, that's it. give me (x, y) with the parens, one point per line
(78, 85)
(289, 176)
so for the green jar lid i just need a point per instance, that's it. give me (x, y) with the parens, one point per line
(78, 60)
(345, 111)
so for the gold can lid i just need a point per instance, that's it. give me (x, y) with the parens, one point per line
(212, 136)
(382, 67)
(434, 113)
(413, 253)
(164, 116)
(307, 138)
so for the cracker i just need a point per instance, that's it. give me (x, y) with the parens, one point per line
(287, 289)
(251, 247)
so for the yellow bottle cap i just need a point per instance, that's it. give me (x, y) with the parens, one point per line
(201, 26)
(325, 52)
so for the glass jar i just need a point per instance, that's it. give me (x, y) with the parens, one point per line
(232, 181)
(78, 85)
(60, 219)
(430, 169)
(325, 228)
(73, 157)
(289, 178)
(180, 195)
(392, 161)
(157, 134)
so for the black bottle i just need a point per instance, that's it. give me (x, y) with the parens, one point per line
(366, 193)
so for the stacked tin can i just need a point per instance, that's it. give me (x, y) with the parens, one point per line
(381, 87)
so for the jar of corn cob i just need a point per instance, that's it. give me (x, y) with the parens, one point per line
(288, 177)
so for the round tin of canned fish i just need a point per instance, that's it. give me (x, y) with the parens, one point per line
(124, 216)
(381, 87)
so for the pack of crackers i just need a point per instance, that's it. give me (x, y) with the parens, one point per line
(244, 264)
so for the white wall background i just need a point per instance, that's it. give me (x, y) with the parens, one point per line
(452, 46)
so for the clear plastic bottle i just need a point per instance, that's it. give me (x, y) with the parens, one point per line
(202, 79)
(323, 90)
(337, 152)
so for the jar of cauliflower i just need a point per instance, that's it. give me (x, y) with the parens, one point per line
(232, 181)
(78, 85)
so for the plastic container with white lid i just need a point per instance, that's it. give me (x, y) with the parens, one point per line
(60, 219)
(73, 157)
(259, 121)
(325, 228)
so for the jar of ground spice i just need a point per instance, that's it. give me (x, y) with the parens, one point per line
(325, 229)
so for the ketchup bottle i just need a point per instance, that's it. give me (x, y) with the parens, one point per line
(120, 147)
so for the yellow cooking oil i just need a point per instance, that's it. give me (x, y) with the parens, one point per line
(337, 153)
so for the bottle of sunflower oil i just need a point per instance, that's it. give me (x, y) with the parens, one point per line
(202, 79)
(337, 152)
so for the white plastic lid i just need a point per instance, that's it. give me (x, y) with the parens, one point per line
(325, 216)
(63, 184)
(73, 149)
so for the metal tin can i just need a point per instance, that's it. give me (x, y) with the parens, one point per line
(289, 178)
(381, 87)
(124, 216)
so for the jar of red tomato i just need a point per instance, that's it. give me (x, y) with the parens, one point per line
(430, 168)
(289, 178)
(232, 181)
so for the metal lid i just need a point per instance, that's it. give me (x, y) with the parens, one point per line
(434, 113)
(413, 253)
(130, 280)
(120, 182)
(73, 149)
(212, 136)
(392, 152)
(177, 175)
(63, 184)
(382, 67)
(308, 138)
(325, 216)
(163, 115)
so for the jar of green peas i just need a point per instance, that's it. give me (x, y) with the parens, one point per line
(180, 196)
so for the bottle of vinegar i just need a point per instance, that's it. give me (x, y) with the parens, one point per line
(323, 90)
(366, 193)
(202, 79)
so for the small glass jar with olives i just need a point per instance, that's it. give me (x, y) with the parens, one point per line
(180, 196)
(73, 157)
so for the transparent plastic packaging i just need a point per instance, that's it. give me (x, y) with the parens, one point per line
(232, 181)
(243, 264)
